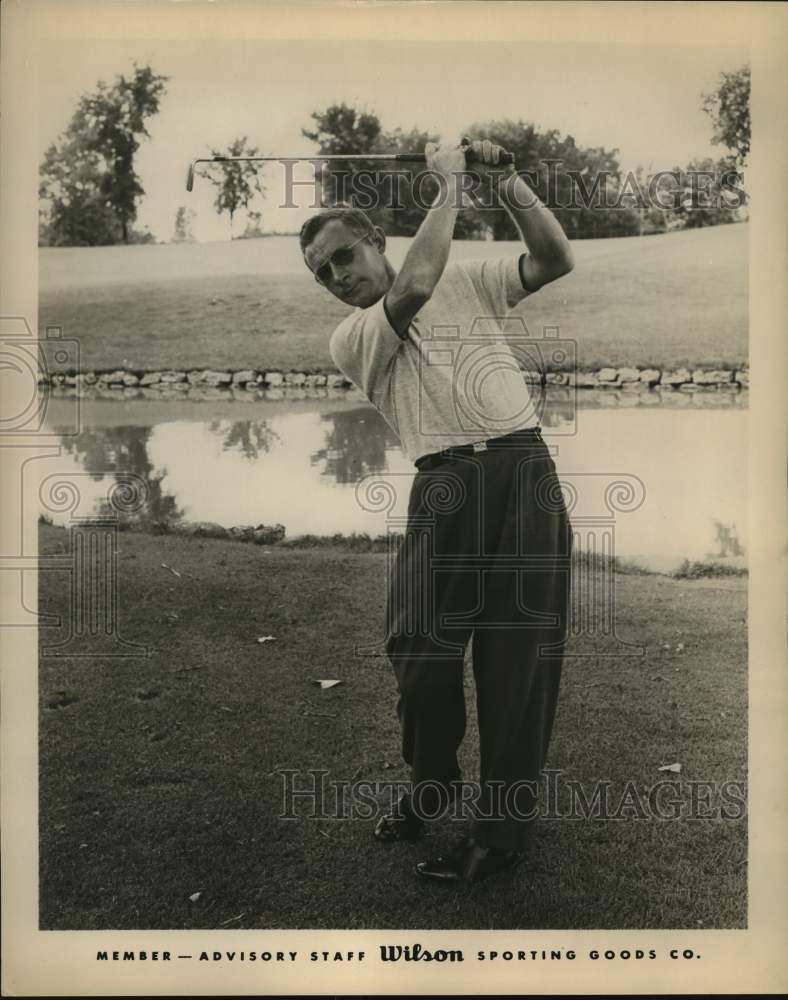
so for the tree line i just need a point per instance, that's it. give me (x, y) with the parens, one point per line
(560, 171)
(90, 191)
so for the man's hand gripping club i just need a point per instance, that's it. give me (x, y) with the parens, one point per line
(425, 261)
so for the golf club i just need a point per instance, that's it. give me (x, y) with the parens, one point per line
(505, 159)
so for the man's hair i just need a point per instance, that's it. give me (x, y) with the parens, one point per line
(356, 220)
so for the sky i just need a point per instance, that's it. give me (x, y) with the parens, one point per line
(644, 100)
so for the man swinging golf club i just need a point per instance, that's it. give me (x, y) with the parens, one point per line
(486, 551)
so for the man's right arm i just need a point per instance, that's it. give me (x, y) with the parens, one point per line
(426, 259)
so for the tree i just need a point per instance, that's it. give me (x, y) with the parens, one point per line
(88, 182)
(344, 129)
(555, 165)
(254, 226)
(372, 184)
(73, 211)
(237, 183)
(405, 216)
(729, 109)
(708, 195)
(652, 196)
(143, 235)
(184, 222)
(575, 182)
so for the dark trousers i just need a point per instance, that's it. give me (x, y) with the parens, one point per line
(485, 557)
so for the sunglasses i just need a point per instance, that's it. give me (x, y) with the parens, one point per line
(341, 257)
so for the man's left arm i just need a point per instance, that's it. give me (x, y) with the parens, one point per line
(549, 251)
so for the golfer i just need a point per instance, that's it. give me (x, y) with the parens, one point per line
(485, 557)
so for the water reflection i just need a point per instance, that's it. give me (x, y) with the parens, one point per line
(298, 466)
(355, 445)
(125, 449)
(249, 437)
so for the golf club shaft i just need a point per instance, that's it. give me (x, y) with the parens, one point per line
(506, 158)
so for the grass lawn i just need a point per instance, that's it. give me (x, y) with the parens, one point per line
(679, 298)
(157, 775)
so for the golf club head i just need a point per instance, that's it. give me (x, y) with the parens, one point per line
(190, 177)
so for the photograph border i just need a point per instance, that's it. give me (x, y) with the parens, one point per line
(752, 960)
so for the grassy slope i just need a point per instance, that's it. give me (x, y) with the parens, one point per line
(663, 300)
(162, 767)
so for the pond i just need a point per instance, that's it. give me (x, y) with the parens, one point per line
(681, 471)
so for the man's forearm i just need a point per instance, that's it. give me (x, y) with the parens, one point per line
(541, 231)
(426, 259)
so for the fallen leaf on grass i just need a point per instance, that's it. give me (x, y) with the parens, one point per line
(232, 920)
(673, 768)
(194, 897)
(62, 699)
(147, 694)
(680, 647)
(267, 638)
(327, 684)
(173, 571)
(224, 708)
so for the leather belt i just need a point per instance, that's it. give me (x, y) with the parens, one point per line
(513, 440)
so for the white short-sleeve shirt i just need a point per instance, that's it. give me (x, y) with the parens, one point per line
(456, 377)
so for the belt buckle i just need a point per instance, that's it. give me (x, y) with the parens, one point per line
(479, 446)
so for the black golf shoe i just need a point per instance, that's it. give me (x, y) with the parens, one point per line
(468, 862)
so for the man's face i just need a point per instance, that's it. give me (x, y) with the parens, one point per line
(352, 268)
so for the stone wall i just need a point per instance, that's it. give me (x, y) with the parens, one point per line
(250, 384)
